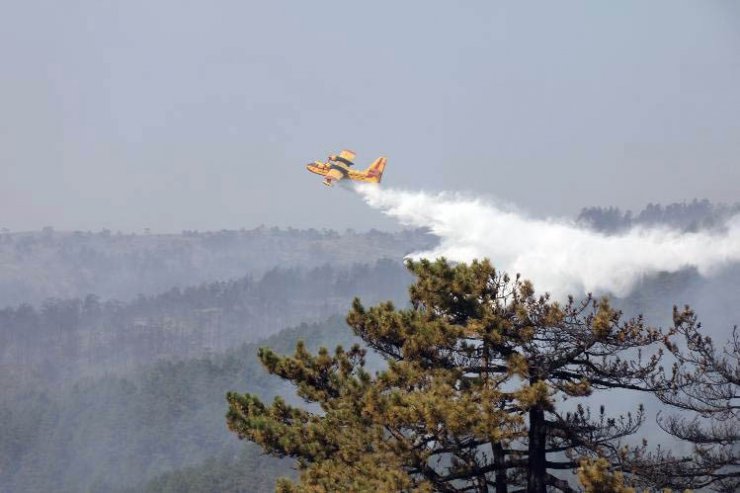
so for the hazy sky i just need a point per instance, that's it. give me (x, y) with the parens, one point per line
(200, 115)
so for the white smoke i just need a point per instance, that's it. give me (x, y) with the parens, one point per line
(558, 256)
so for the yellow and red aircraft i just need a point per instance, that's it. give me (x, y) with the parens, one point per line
(339, 167)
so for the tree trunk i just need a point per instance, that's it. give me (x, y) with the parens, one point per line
(498, 460)
(537, 457)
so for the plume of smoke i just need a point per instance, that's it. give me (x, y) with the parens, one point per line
(558, 256)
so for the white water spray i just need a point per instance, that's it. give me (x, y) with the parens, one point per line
(558, 256)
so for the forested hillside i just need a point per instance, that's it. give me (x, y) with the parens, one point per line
(35, 266)
(684, 216)
(117, 432)
(69, 338)
(101, 393)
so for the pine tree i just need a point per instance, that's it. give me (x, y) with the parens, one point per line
(471, 399)
(705, 387)
(596, 477)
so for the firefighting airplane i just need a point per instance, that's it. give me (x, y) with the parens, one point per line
(339, 167)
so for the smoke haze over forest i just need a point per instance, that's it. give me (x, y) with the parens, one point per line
(178, 349)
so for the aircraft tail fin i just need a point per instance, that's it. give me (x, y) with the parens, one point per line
(375, 170)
